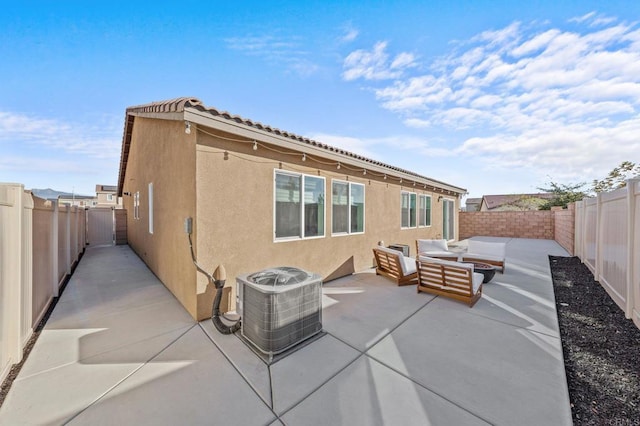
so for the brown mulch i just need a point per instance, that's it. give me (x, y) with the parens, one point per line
(601, 348)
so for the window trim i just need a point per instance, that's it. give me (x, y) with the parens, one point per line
(136, 205)
(364, 203)
(302, 177)
(430, 210)
(415, 194)
(150, 202)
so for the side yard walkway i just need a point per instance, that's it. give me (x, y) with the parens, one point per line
(120, 349)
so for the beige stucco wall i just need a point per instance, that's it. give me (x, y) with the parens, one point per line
(162, 154)
(231, 203)
(235, 210)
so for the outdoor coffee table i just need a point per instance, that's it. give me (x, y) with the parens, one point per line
(485, 269)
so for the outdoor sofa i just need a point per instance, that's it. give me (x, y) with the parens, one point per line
(435, 248)
(493, 253)
(449, 279)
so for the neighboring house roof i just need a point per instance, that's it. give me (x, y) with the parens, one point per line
(192, 110)
(496, 201)
(473, 204)
(106, 188)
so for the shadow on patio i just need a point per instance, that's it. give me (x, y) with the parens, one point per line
(119, 348)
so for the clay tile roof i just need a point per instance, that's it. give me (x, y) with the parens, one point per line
(173, 105)
(179, 104)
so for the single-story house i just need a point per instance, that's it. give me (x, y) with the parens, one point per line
(261, 197)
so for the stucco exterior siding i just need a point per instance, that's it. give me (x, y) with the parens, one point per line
(235, 211)
(203, 165)
(164, 155)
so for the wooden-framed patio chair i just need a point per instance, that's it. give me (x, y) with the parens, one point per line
(449, 279)
(394, 265)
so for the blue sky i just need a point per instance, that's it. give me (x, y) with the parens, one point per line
(497, 97)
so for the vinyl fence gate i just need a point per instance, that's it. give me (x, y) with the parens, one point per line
(100, 226)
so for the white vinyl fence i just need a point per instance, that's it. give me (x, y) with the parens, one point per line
(607, 239)
(40, 243)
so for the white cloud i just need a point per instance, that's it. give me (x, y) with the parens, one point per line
(350, 34)
(95, 142)
(276, 50)
(535, 96)
(585, 17)
(375, 64)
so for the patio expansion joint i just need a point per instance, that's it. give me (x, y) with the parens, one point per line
(269, 404)
(361, 354)
(314, 390)
(427, 388)
(410, 378)
(105, 393)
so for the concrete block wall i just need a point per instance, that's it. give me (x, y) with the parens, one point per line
(121, 226)
(564, 228)
(555, 224)
(537, 224)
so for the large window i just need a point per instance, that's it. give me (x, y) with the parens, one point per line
(347, 207)
(424, 210)
(408, 210)
(299, 206)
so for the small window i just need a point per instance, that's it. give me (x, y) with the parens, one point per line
(408, 210)
(151, 208)
(299, 206)
(136, 205)
(424, 210)
(109, 197)
(347, 208)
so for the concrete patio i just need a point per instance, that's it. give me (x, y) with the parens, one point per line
(120, 349)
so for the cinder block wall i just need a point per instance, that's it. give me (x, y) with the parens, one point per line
(121, 226)
(564, 231)
(515, 224)
(556, 224)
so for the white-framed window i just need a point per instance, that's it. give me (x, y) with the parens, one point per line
(109, 197)
(150, 202)
(408, 209)
(347, 207)
(299, 206)
(136, 205)
(424, 210)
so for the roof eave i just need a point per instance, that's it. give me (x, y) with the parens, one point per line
(206, 119)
